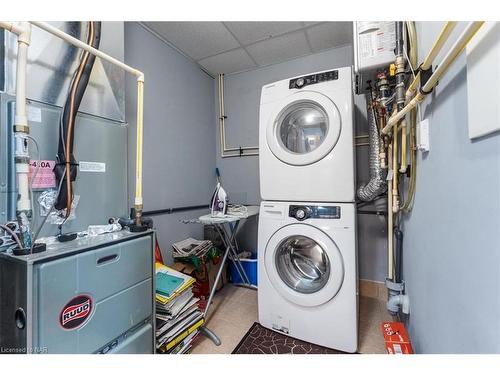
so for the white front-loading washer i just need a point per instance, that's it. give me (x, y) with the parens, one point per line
(307, 272)
(306, 148)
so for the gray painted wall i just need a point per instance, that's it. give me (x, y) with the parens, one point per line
(179, 142)
(241, 175)
(451, 255)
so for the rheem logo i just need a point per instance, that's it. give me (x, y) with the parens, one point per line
(76, 312)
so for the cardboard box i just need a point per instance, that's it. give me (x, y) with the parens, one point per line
(396, 338)
(213, 273)
(190, 269)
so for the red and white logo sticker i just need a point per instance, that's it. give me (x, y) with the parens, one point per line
(76, 312)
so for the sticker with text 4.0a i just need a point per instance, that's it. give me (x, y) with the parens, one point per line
(45, 177)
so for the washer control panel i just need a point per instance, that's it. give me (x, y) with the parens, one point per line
(300, 82)
(313, 212)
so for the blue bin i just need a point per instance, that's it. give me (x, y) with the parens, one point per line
(250, 267)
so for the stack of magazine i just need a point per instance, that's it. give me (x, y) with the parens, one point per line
(178, 317)
(191, 247)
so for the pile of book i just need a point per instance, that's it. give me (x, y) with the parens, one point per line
(178, 317)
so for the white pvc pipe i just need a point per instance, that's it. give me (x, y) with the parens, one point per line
(449, 58)
(23, 32)
(140, 101)
(225, 151)
(21, 129)
(22, 62)
(78, 43)
(399, 300)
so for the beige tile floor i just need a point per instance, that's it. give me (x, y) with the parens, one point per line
(234, 310)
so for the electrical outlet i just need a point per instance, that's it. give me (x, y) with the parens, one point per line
(423, 142)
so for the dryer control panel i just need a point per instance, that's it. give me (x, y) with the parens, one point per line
(313, 212)
(301, 82)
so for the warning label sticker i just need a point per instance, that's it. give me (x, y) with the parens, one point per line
(92, 166)
(45, 178)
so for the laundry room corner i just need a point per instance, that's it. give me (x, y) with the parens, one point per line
(282, 187)
(179, 129)
(241, 174)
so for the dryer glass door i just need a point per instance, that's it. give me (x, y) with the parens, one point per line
(302, 264)
(304, 128)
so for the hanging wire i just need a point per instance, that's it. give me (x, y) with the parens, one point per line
(13, 234)
(46, 217)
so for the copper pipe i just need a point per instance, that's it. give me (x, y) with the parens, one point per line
(71, 121)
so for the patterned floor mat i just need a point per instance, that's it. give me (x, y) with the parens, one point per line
(260, 340)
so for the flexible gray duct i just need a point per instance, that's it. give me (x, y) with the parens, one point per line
(377, 184)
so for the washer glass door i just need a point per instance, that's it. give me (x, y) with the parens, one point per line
(302, 264)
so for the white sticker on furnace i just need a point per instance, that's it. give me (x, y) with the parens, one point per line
(92, 166)
(34, 114)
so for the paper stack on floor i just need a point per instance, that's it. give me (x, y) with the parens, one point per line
(178, 317)
(190, 247)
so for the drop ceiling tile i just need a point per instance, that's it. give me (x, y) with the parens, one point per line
(279, 49)
(329, 35)
(196, 39)
(228, 62)
(251, 32)
(307, 24)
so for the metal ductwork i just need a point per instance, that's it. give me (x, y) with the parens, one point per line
(377, 184)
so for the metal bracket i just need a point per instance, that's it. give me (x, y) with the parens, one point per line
(395, 287)
(424, 77)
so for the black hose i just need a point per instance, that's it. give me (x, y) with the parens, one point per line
(399, 38)
(398, 234)
(77, 89)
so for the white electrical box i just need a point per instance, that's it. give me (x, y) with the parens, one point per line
(423, 142)
(374, 44)
(483, 81)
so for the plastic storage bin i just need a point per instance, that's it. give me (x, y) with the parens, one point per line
(250, 267)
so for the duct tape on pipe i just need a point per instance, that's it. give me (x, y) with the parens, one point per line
(92, 166)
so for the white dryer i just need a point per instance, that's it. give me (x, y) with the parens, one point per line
(307, 272)
(306, 149)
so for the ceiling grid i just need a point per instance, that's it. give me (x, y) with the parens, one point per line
(230, 47)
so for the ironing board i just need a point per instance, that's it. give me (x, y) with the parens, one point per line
(227, 227)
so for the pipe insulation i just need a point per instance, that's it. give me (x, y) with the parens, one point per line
(66, 168)
(377, 184)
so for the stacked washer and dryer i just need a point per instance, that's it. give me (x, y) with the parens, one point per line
(307, 227)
